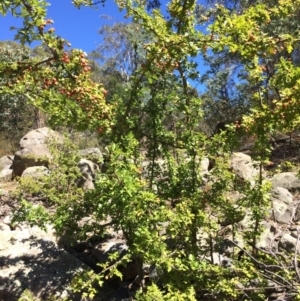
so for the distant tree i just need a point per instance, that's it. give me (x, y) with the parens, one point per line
(118, 57)
(227, 94)
(122, 48)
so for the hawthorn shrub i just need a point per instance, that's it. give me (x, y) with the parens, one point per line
(154, 189)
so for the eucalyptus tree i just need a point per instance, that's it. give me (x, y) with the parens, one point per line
(118, 56)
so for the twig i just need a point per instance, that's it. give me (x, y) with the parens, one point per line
(295, 256)
(262, 288)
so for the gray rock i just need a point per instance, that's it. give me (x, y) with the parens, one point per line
(4, 192)
(266, 238)
(294, 233)
(7, 220)
(204, 165)
(243, 166)
(35, 172)
(282, 205)
(247, 221)
(4, 197)
(217, 258)
(6, 175)
(297, 213)
(288, 243)
(26, 158)
(89, 171)
(288, 180)
(6, 161)
(94, 154)
(34, 150)
(282, 194)
(281, 212)
(40, 138)
(102, 251)
(159, 165)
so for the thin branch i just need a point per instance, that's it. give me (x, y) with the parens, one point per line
(265, 267)
(263, 288)
(295, 256)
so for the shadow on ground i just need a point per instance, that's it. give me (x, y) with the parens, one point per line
(35, 264)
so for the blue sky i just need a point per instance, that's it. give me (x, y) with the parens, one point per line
(78, 26)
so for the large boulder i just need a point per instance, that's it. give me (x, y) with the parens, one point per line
(288, 243)
(35, 172)
(282, 210)
(267, 237)
(244, 167)
(93, 153)
(34, 150)
(288, 180)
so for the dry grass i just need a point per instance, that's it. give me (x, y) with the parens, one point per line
(9, 146)
(9, 186)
